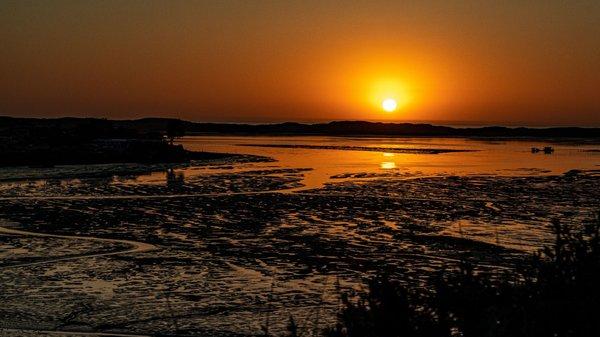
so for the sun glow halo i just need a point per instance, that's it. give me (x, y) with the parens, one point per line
(389, 104)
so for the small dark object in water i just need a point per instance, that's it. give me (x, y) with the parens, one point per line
(547, 150)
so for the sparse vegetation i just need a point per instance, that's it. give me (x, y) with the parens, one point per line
(556, 295)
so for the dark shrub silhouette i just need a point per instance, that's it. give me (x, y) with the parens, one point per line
(557, 293)
(387, 310)
(175, 129)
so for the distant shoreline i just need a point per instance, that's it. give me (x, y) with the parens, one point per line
(337, 128)
(39, 142)
(557, 140)
(360, 148)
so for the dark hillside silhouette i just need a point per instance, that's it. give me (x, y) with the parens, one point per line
(154, 126)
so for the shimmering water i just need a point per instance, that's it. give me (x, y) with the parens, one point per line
(512, 157)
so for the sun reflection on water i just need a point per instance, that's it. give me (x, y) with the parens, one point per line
(387, 165)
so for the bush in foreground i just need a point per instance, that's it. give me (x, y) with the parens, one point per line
(556, 294)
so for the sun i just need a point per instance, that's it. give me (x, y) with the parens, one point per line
(389, 104)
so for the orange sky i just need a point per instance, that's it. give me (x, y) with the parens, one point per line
(506, 62)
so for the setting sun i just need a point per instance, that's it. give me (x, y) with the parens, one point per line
(389, 104)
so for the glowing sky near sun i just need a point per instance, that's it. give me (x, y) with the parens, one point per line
(511, 62)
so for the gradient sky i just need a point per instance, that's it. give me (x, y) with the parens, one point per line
(506, 62)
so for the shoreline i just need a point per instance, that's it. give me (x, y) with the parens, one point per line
(104, 152)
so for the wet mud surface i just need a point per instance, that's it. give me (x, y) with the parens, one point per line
(230, 250)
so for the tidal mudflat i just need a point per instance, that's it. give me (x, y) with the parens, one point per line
(228, 247)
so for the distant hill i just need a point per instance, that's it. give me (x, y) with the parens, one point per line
(154, 127)
(360, 128)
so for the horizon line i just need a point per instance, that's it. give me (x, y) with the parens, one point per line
(446, 123)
